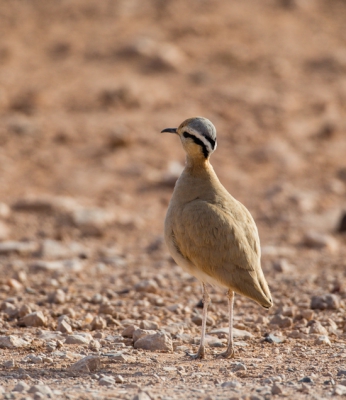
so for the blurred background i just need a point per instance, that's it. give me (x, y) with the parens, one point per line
(87, 86)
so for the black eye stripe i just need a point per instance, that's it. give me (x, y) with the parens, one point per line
(199, 142)
(211, 141)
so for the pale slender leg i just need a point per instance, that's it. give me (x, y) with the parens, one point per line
(206, 301)
(229, 353)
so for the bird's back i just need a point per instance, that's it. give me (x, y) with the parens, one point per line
(213, 236)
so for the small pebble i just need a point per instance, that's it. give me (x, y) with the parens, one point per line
(106, 381)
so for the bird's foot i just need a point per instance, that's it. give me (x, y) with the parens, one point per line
(229, 353)
(199, 355)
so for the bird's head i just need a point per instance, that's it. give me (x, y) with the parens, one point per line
(197, 135)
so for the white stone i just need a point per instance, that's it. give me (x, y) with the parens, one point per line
(34, 319)
(64, 326)
(159, 341)
(21, 248)
(42, 389)
(77, 339)
(139, 333)
(148, 286)
(237, 333)
(320, 241)
(73, 265)
(12, 342)
(106, 381)
(141, 396)
(92, 221)
(54, 249)
(323, 340)
(86, 364)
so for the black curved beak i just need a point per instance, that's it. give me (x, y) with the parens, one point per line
(170, 130)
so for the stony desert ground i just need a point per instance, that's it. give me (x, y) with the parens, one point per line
(91, 304)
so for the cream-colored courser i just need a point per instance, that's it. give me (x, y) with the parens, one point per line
(208, 232)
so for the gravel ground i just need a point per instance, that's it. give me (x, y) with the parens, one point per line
(91, 304)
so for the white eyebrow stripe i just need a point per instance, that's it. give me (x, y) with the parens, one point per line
(202, 139)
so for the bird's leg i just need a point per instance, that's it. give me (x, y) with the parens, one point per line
(206, 301)
(229, 353)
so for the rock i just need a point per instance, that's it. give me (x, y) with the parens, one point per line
(98, 323)
(94, 345)
(107, 381)
(231, 384)
(270, 338)
(4, 231)
(108, 309)
(339, 390)
(320, 241)
(53, 249)
(63, 325)
(307, 314)
(282, 265)
(77, 339)
(50, 335)
(159, 56)
(128, 331)
(86, 364)
(280, 154)
(316, 327)
(147, 286)
(34, 319)
(295, 334)
(119, 379)
(139, 333)
(159, 341)
(21, 248)
(238, 367)
(282, 322)
(324, 339)
(73, 265)
(42, 389)
(237, 333)
(98, 299)
(92, 221)
(10, 309)
(47, 204)
(9, 364)
(70, 312)
(197, 320)
(326, 302)
(341, 372)
(141, 396)
(276, 389)
(306, 379)
(24, 310)
(57, 297)
(21, 387)
(21, 276)
(118, 357)
(149, 325)
(14, 284)
(31, 358)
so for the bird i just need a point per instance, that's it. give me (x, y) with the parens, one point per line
(209, 233)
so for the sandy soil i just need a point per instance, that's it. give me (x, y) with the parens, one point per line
(86, 177)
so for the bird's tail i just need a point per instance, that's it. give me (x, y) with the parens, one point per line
(253, 284)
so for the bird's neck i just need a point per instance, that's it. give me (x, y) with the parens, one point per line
(198, 166)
